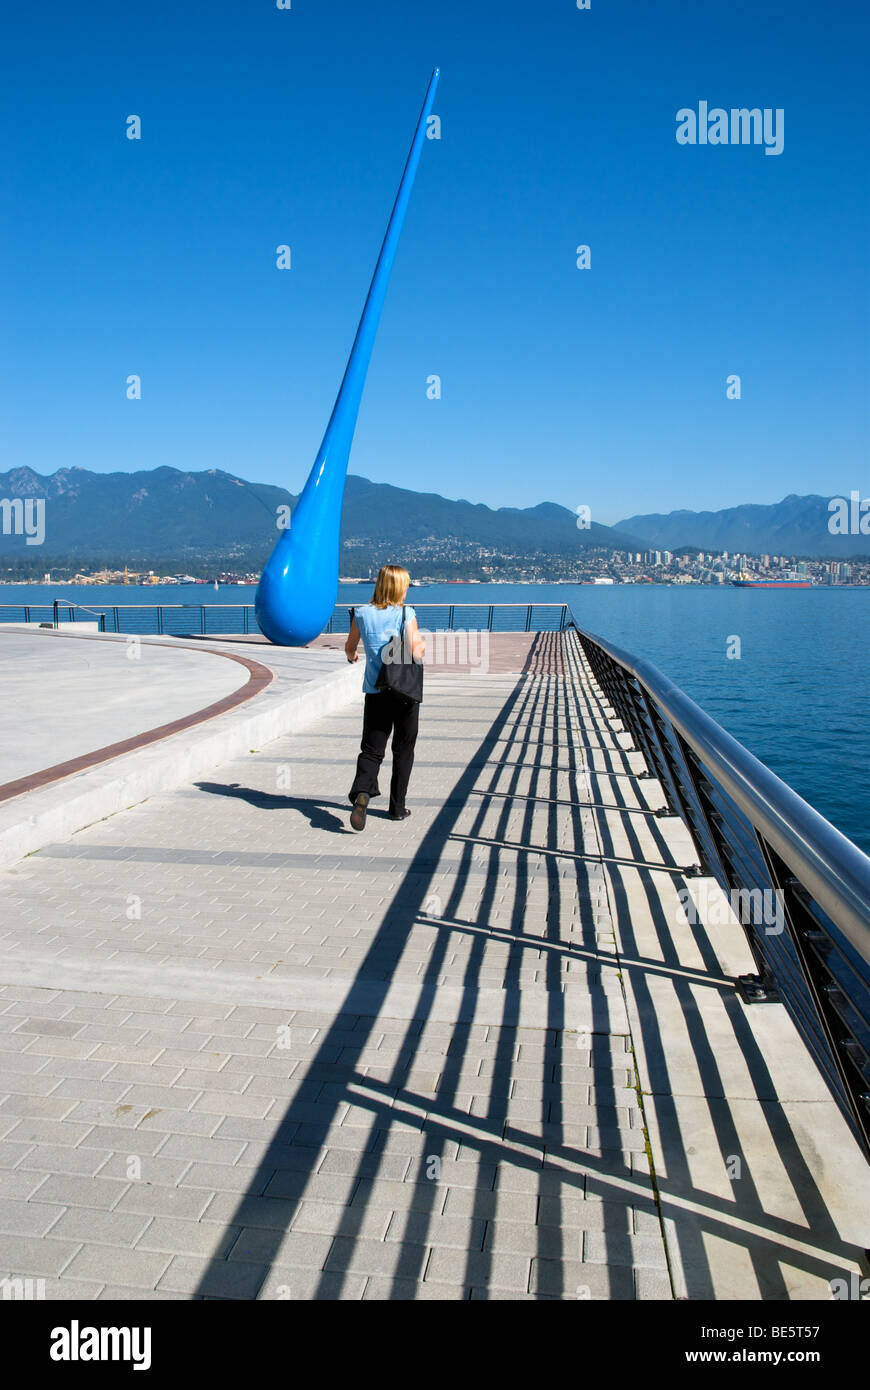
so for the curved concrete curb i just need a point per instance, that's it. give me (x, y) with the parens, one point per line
(53, 812)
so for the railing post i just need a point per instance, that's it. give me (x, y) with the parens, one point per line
(56, 619)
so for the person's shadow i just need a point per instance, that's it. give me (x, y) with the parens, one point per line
(319, 814)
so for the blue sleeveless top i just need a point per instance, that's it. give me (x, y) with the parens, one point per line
(377, 626)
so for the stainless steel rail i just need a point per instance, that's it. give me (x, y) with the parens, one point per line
(176, 619)
(764, 844)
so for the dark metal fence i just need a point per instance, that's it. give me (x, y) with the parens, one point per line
(237, 619)
(806, 887)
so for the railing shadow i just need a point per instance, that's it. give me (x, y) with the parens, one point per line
(492, 1147)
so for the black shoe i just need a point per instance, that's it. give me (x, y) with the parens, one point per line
(399, 815)
(358, 814)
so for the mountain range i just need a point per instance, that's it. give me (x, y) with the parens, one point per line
(169, 519)
(795, 526)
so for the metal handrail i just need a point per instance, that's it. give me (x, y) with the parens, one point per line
(338, 621)
(753, 831)
(71, 607)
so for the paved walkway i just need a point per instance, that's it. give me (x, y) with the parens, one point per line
(249, 1054)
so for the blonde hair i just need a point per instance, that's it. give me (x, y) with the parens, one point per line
(390, 586)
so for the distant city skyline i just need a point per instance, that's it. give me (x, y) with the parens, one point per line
(608, 386)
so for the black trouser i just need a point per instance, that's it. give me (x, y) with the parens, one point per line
(386, 713)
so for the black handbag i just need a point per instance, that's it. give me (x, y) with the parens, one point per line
(401, 671)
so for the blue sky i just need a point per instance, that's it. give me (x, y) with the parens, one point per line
(262, 127)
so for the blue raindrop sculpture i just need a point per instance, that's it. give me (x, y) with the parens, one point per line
(297, 590)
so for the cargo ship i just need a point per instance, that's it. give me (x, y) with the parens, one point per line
(785, 581)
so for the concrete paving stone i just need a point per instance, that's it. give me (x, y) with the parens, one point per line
(307, 1285)
(143, 1054)
(45, 1107)
(576, 1212)
(652, 1284)
(98, 1227)
(486, 1205)
(399, 1196)
(205, 1011)
(228, 1078)
(58, 1133)
(227, 1103)
(208, 1150)
(119, 1115)
(116, 1293)
(294, 1249)
(142, 1003)
(49, 1027)
(252, 1131)
(76, 1190)
(509, 1177)
(74, 1089)
(179, 1059)
(69, 1290)
(175, 1097)
(25, 1064)
(19, 1185)
(329, 1218)
(608, 1247)
(479, 1270)
(335, 1137)
(238, 1046)
(646, 1222)
(123, 1139)
(325, 1187)
(153, 1168)
(117, 1265)
(107, 1032)
(268, 1212)
(220, 1177)
(150, 1199)
(392, 1167)
(27, 1258)
(545, 1242)
(149, 1075)
(626, 1140)
(23, 1218)
(456, 1173)
(380, 1287)
(360, 1256)
(573, 1279)
(21, 1084)
(189, 1275)
(179, 1122)
(58, 1158)
(171, 1236)
(428, 1228)
(148, 1020)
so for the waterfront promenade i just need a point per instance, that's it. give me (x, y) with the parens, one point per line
(479, 1054)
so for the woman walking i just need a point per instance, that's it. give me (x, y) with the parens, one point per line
(385, 710)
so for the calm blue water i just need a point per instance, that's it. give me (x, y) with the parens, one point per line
(797, 696)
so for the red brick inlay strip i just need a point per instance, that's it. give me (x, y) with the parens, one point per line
(259, 678)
